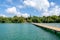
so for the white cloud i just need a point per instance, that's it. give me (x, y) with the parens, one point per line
(3, 15)
(44, 7)
(25, 15)
(53, 11)
(20, 6)
(30, 3)
(52, 3)
(13, 10)
(39, 4)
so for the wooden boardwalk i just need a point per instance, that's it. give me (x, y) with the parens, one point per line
(47, 27)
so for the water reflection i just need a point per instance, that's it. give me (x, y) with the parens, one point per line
(25, 31)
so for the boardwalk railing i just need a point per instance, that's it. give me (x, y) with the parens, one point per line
(47, 27)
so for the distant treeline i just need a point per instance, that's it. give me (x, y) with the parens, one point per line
(34, 19)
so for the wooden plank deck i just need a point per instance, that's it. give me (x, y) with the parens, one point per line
(47, 27)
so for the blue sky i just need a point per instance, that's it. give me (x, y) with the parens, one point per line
(25, 8)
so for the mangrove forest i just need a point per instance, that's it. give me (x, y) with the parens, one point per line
(33, 19)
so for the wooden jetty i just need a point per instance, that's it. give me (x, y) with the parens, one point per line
(56, 29)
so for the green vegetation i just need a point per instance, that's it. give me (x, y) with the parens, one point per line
(34, 19)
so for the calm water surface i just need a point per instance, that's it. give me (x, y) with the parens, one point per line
(25, 31)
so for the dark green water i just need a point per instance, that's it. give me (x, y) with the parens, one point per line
(25, 31)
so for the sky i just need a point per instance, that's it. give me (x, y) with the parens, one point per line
(25, 8)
